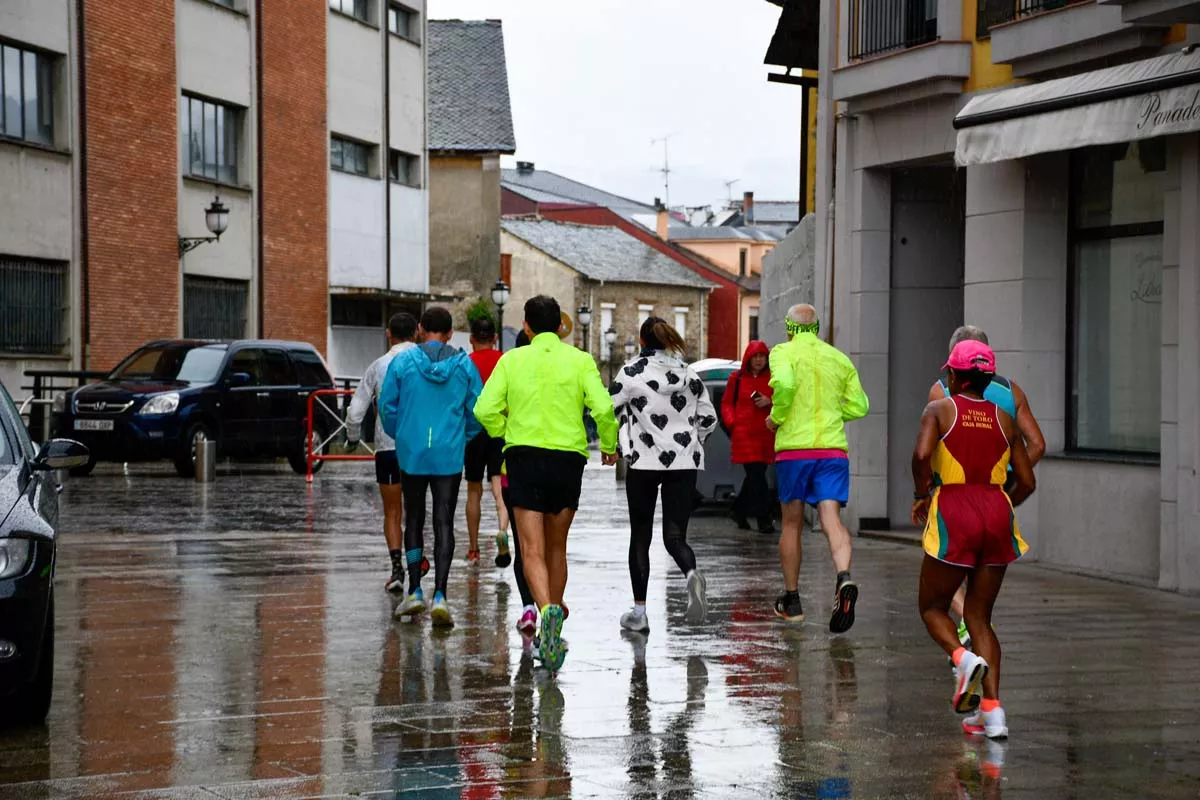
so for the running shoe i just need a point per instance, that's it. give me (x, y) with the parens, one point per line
(843, 607)
(765, 526)
(551, 650)
(528, 622)
(566, 612)
(697, 607)
(503, 557)
(633, 621)
(439, 612)
(968, 677)
(424, 567)
(395, 584)
(472, 556)
(789, 608)
(964, 636)
(740, 520)
(992, 724)
(413, 604)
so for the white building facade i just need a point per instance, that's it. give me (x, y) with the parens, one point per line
(1059, 216)
(378, 174)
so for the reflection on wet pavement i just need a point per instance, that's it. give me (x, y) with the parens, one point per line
(234, 640)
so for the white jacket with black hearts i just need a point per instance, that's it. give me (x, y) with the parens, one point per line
(664, 412)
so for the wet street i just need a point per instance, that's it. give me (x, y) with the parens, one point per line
(234, 640)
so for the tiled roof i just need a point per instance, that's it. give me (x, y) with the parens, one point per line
(680, 233)
(603, 253)
(469, 108)
(550, 187)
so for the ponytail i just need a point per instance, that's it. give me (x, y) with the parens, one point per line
(659, 335)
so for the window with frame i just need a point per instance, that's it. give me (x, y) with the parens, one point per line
(404, 168)
(403, 22)
(214, 308)
(33, 305)
(210, 133)
(27, 94)
(753, 324)
(359, 9)
(742, 256)
(1116, 230)
(346, 155)
(681, 314)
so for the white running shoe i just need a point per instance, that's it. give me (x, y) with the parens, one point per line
(992, 724)
(968, 678)
(697, 608)
(633, 621)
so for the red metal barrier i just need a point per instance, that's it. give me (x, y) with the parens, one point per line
(312, 456)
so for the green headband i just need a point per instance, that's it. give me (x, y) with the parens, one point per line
(794, 328)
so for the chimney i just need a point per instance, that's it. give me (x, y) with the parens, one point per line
(748, 207)
(524, 167)
(662, 222)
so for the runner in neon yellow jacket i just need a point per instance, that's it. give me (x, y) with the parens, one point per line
(536, 395)
(815, 392)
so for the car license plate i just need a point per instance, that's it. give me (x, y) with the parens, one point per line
(93, 424)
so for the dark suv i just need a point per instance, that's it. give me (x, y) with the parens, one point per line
(250, 396)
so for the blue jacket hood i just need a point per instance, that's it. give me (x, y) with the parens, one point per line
(437, 361)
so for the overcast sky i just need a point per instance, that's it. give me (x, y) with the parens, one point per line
(593, 82)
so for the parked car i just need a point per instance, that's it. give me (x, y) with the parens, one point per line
(28, 521)
(720, 479)
(250, 396)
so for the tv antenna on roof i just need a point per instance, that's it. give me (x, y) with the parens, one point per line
(729, 188)
(666, 167)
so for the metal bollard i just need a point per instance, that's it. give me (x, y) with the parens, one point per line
(206, 460)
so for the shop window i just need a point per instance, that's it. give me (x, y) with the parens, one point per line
(1116, 303)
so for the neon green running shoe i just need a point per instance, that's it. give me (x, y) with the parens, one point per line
(551, 649)
(964, 636)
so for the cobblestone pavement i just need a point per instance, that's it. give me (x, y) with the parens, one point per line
(234, 640)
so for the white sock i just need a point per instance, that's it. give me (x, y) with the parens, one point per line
(690, 573)
(639, 609)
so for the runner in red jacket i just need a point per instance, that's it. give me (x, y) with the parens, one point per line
(744, 409)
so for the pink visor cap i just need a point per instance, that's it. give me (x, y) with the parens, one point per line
(971, 355)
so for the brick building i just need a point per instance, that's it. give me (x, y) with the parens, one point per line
(118, 132)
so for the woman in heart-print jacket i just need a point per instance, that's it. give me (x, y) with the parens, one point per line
(665, 416)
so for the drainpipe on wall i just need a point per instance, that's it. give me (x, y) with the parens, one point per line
(85, 316)
(387, 157)
(259, 150)
(826, 162)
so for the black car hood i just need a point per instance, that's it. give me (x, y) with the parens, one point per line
(126, 389)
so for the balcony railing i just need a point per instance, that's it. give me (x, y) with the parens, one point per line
(882, 26)
(997, 12)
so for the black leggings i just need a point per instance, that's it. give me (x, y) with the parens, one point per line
(641, 490)
(518, 565)
(445, 500)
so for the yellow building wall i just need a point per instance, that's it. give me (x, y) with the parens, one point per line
(984, 74)
(725, 254)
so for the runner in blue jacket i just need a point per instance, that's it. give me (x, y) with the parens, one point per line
(425, 404)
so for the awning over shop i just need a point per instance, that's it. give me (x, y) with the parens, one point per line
(1140, 100)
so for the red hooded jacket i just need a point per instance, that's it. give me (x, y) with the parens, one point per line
(747, 423)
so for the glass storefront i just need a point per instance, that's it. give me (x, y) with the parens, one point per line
(1116, 234)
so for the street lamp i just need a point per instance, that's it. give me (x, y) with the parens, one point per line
(630, 349)
(500, 298)
(610, 338)
(216, 219)
(584, 315)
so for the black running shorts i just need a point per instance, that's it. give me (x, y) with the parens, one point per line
(483, 451)
(547, 481)
(387, 468)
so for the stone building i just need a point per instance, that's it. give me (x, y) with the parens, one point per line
(470, 127)
(621, 279)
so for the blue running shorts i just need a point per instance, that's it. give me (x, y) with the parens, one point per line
(813, 480)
